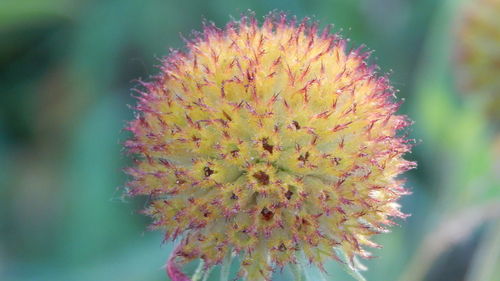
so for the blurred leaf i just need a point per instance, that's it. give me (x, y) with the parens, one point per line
(97, 221)
(487, 256)
(14, 13)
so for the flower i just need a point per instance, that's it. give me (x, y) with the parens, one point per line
(269, 141)
(478, 58)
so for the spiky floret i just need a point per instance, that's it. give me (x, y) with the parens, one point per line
(269, 141)
(478, 45)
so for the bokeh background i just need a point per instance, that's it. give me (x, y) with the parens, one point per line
(66, 70)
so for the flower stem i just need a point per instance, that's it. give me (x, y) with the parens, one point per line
(348, 267)
(200, 271)
(207, 274)
(226, 266)
(297, 271)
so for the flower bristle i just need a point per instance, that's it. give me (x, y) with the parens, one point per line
(269, 140)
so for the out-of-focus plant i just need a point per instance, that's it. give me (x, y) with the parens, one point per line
(459, 49)
(478, 52)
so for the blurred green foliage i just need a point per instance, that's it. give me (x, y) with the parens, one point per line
(66, 69)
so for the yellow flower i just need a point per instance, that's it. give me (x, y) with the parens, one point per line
(478, 45)
(269, 141)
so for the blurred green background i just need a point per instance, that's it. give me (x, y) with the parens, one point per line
(66, 69)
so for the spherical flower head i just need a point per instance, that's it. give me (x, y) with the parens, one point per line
(271, 142)
(478, 56)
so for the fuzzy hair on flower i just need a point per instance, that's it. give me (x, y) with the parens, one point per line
(272, 142)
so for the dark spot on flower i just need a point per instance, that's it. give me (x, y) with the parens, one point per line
(262, 177)
(288, 194)
(184, 254)
(304, 157)
(267, 146)
(336, 160)
(234, 153)
(314, 140)
(234, 196)
(282, 247)
(326, 196)
(206, 214)
(208, 172)
(266, 214)
(165, 162)
(296, 124)
(227, 116)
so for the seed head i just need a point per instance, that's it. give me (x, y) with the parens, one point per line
(270, 141)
